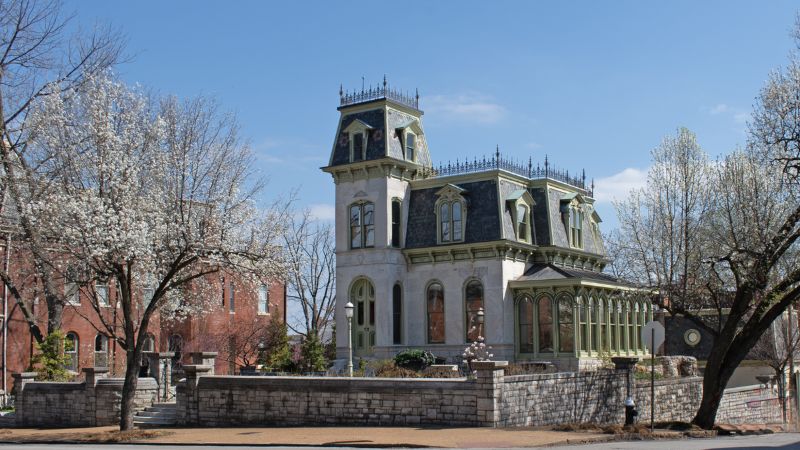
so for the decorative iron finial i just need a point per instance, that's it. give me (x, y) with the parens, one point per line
(583, 176)
(417, 95)
(341, 91)
(546, 167)
(384, 81)
(497, 151)
(530, 166)
(592, 186)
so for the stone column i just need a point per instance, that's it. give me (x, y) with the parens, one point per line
(204, 359)
(20, 380)
(161, 369)
(489, 384)
(625, 367)
(92, 375)
(189, 394)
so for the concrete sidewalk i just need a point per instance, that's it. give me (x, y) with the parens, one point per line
(315, 436)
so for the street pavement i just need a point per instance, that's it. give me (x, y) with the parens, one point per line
(772, 441)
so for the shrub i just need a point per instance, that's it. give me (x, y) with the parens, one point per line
(313, 354)
(387, 369)
(414, 359)
(51, 361)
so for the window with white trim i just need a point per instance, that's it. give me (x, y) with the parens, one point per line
(362, 225)
(101, 291)
(410, 145)
(263, 299)
(576, 227)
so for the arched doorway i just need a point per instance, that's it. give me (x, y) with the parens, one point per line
(362, 295)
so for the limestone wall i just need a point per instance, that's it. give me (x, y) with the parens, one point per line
(570, 397)
(678, 400)
(95, 402)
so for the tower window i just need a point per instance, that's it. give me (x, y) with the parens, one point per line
(396, 223)
(410, 146)
(397, 315)
(362, 225)
(523, 225)
(451, 222)
(357, 147)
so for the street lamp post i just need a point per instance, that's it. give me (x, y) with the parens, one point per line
(348, 311)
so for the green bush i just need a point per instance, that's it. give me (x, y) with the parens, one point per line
(313, 354)
(51, 361)
(414, 359)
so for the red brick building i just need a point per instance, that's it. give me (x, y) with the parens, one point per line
(238, 304)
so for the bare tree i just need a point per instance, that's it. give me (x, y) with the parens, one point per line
(154, 197)
(38, 59)
(714, 235)
(777, 348)
(311, 279)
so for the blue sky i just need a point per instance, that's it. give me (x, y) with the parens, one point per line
(593, 85)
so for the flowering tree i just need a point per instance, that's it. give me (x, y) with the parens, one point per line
(713, 236)
(153, 196)
(38, 59)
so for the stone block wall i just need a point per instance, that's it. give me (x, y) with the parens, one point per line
(95, 402)
(750, 404)
(570, 397)
(677, 399)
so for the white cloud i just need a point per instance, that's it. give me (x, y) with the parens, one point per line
(718, 109)
(617, 186)
(322, 211)
(473, 108)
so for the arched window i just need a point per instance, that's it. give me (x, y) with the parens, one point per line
(397, 315)
(362, 225)
(545, 315)
(566, 325)
(396, 223)
(583, 320)
(593, 321)
(630, 342)
(473, 302)
(435, 308)
(613, 344)
(601, 326)
(639, 316)
(101, 351)
(525, 324)
(72, 350)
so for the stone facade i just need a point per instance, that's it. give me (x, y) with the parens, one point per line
(95, 402)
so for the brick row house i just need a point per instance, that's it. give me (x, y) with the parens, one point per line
(236, 303)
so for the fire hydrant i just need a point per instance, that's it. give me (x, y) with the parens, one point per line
(630, 411)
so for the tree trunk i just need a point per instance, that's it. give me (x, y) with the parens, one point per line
(129, 389)
(713, 388)
(55, 312)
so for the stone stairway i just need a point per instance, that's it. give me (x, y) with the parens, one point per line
(156, 416)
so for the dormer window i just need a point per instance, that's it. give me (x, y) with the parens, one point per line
(523, 224)
(576, 227)
(357, 147)
(450, 212)
(358, 131)
(573, 207)
(520, 204)
(411, 142)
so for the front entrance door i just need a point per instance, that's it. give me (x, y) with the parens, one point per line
(363, 298)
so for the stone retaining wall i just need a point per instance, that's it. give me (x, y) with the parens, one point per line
(571, 397)
(678, 400)
(95, 402)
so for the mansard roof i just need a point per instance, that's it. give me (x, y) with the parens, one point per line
(550, 272)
